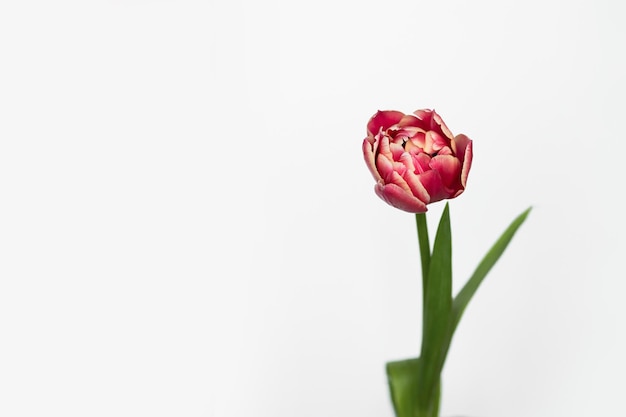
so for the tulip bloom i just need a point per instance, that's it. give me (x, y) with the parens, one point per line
(415, 159)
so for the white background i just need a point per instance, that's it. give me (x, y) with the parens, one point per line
(187, 227)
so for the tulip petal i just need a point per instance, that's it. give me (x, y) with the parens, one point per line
(421, 162)
(442, 125)
(419, 139)
(384, 148)
(449, 168)
(467, 163)
(412, 179)
(397, 197)
(431, 180)
(425, 116)
(462, 142)
(389, 174)
(437, 140)
(384, 167)
(417, 188)
(407, 132)
(410, 120)
(396, 150)
(383, 119)
(368, 154)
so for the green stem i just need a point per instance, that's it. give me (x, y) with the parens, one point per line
(424, 243)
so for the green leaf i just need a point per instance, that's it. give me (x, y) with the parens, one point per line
(402, 377)
(437, 313)
(404, 387)
(465, 295)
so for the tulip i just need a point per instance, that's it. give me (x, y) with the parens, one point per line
(415, 159)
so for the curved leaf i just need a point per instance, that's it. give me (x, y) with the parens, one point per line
(465, 295)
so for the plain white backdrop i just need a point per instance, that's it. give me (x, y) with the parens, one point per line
(187, 227)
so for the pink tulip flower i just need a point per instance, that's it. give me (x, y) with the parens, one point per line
(415, 159)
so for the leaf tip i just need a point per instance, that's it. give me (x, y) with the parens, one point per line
(525, 213)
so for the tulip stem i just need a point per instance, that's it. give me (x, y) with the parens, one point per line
(424, 243)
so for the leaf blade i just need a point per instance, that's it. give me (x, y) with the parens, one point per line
(402, 377)
(403, 385)
(493, 255)
(437, 311)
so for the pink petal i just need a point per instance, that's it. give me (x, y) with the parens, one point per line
(441, 125)
(449, 168)
(383, 146)
(419, 139)
(446, 150)
(383, 119)
(467, 163)
(431, 180)
(458, 193)
(389, 172)
(425, 115)
(396, 150)
(384, 167)
(400, 168)
(398, 198)
(421, 162)
(438, 141)
(428, 143)
(412, 180)
(407, 132)
(462, 142)
(368, 154)
(398, 180)
(410, 120)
